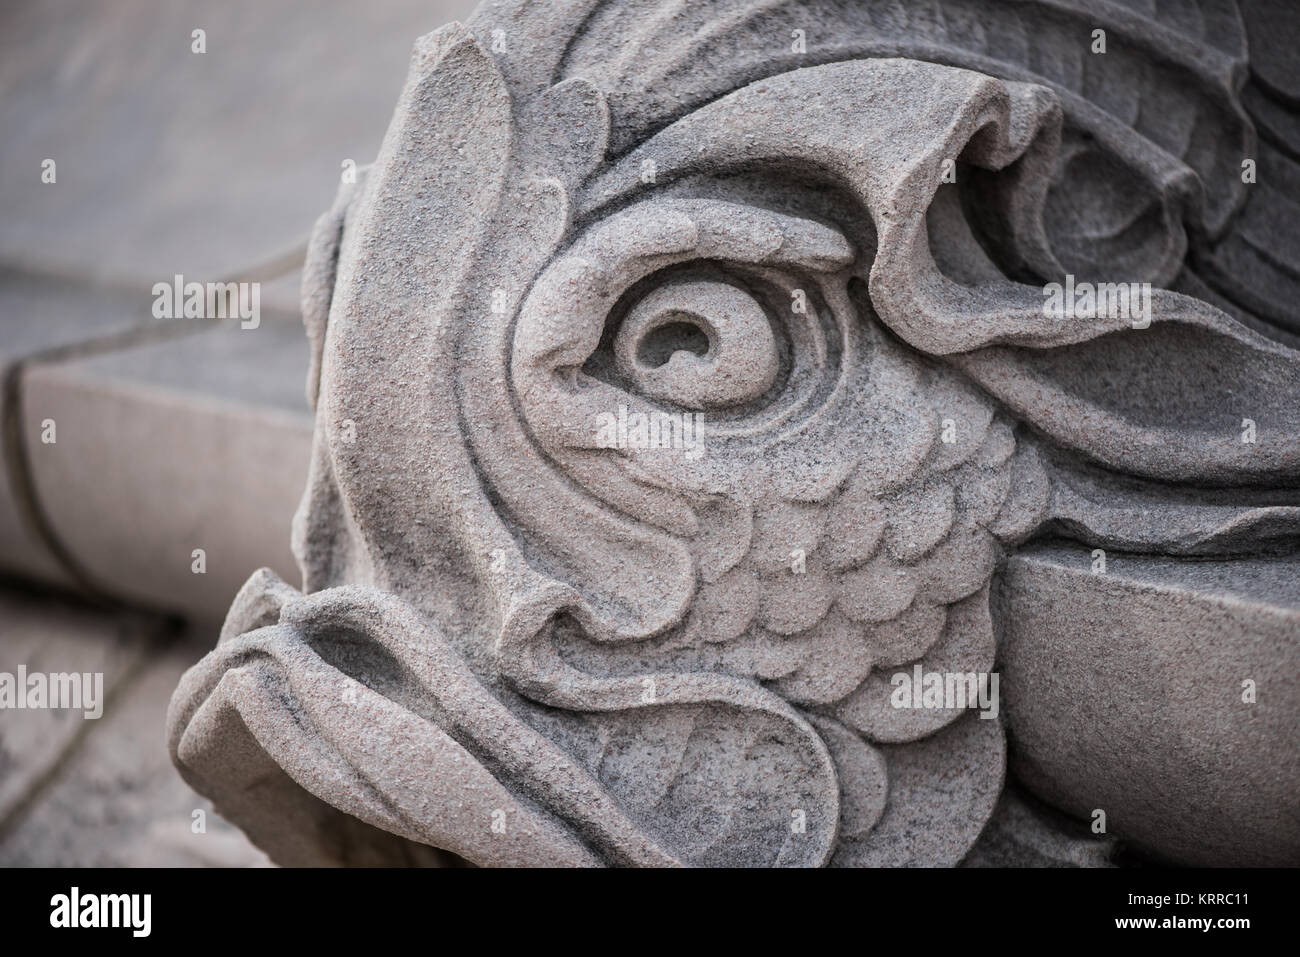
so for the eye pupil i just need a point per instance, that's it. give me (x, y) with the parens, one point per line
(677, 335)
(698, 344)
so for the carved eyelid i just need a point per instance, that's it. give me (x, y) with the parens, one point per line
(563, 319)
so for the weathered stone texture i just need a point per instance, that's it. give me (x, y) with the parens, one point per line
(688, 377)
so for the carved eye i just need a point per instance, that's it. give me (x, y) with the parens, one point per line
(694, 305)
(699, 344)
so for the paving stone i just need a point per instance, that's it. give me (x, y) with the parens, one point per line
(39, 313)
(170, 161)
(283, 295)
(49, 636)
(116, 800)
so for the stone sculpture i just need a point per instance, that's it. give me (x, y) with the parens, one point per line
(683, 377)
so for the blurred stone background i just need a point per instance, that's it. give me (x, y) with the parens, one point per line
(170, 434)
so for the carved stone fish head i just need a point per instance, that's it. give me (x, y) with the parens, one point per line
(669, 405)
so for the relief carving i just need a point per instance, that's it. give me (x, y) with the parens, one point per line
(678, 392)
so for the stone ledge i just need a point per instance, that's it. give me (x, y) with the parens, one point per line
(200, 442)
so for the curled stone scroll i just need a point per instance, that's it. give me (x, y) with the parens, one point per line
(686, 399)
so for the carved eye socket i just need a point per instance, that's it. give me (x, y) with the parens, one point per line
(696, 305)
